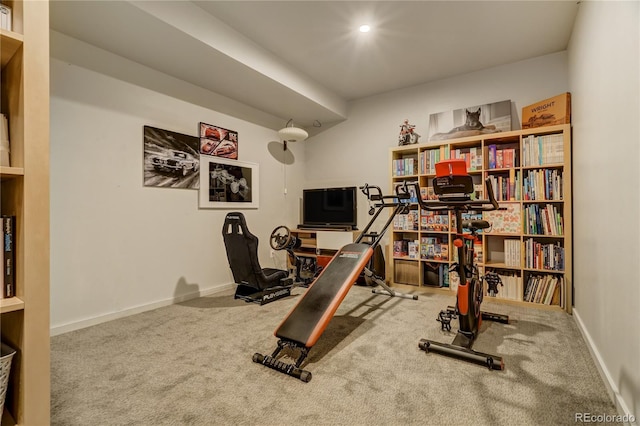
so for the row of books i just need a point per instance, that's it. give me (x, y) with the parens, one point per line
(540, 255)
(471, 156)
(542, 150)
(506, 187)
(512, 253)
(406, 222)
(543, 220)
(8, 275)
(430, 157)
(433, 221)
(511, 287)
(543, 184)
(545, 289)
(434, 248)
(401, 248)
(536, 151)
(405, 166)
(502, 158)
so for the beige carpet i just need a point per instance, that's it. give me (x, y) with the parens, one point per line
(190, 364)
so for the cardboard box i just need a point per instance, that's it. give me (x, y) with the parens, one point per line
(550, 112)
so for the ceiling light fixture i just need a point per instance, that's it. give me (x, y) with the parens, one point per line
(289, 133)
(365, 28)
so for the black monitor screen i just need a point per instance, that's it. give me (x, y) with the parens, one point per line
(329, 206)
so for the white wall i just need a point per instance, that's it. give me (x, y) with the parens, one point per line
(118, 247)
(357, 150)
(604, 78)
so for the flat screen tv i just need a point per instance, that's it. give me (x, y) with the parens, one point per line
(330, 208)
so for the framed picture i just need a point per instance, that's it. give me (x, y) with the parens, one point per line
(171, 159)
(470, 121)
(226, 183)
(218, 141)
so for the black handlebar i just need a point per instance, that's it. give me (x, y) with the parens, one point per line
(477, 205)
(374, 193)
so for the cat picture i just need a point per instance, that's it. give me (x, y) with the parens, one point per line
(470, 121)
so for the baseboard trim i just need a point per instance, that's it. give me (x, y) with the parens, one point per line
(610, 384)
(77, 325)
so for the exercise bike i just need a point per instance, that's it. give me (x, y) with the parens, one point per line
(454, 186)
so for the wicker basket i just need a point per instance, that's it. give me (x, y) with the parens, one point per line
(6, 355)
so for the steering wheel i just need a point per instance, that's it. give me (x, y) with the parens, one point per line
(280, 238)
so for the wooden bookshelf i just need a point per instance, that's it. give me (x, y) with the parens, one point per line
(531, 160)
(24, 97)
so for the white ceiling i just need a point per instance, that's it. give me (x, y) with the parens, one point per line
(306, 59)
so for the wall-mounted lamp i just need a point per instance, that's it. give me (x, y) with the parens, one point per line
(289, 133)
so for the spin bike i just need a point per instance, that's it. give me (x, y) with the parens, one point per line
(453, 186)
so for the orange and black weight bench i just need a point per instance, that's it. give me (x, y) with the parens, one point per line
(306, 322)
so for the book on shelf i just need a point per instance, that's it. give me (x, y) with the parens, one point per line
(400, 248)
(545, 289)
(542, 255)
(413, 249)
(5, 146)
(543, 220)
(405, 166)
(512, 253)
(429, 158)
(511, 288)
(543, 185)
(434, 248)
(540, 150)
(433, 221)
(8, 256)
(471, 156)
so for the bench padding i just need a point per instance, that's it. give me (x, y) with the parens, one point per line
(311, 315)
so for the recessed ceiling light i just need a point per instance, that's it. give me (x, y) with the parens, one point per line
(365, 28)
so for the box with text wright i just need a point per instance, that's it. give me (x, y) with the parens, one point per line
(550, 112)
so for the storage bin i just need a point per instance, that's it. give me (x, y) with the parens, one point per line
(6, 355)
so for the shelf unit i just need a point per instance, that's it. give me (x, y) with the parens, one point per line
(519, 163)
(322, 242)
(25, 194)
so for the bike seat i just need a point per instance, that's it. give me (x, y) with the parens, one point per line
(475, 225)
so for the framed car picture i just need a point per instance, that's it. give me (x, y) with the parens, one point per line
(171, 159)
(218, 141)
(226, 183)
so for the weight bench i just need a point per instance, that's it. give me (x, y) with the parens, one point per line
(308, 319)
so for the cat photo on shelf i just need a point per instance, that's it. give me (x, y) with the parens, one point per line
(470, 121)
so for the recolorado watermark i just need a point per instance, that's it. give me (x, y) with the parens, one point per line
(604, 418)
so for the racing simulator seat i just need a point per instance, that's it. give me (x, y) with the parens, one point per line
(254, 283)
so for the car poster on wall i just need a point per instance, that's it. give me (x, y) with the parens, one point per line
(170, 159)
(218, 141)
(226, 183)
